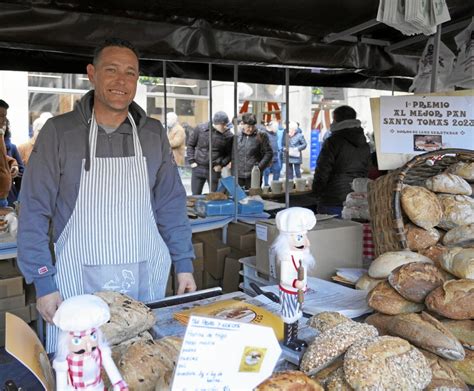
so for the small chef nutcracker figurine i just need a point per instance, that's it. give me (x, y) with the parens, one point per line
(291, 249)
(82, 350)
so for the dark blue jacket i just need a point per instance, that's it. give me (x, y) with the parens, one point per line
(12, 151)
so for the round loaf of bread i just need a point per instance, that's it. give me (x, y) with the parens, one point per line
(457, 210)
(421, 206)
(385, 299)
(367, 283)
(463, 330)
(331, 344)
(443, 376)
(414, 281)
(289, 380)
(380, 322)
(435, 253)
(465, 368)
(326, 320)
(337, 381)
(453, 300)
(460, 236)
(420, 238)
(463, 169)
(448, 183)
(384, 264)
(459, 262)
(386, 363)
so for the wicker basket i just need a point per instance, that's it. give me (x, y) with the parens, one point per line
(388, 233)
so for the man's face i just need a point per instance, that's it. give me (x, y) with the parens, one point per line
(248, 129)
(114, 78)
(3, 117)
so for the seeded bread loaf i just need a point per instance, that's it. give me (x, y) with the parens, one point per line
(331, 344)
(421, 206)
(289, 380)
(453, 300)
(419, 238)
(128, 317)
(367, 283)
(448, 183)
(459, 262)
(337, 381)
(457, 210)
(384, 264)
(463, 330)
(324, 375)
(326, 320)
(414, 281)
(385, 299)
(444, 378)
(386, 363)
(460, 236)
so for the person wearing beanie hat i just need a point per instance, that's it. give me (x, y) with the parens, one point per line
(82, 349)
(291, 249)
(198, 152)
(25, 149)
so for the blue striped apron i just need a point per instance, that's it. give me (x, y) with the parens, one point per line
(111, 241)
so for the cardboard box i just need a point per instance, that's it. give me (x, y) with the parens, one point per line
(30, 293)
(208, 281)
(198, 279)
(232, 267)
(335, 243)
(198, 249)
(214, 252)
(12, 286)
(22, 312)
(12, 302)
(241, 236)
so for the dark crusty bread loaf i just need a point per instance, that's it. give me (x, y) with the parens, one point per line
(421, 206)
(385, 299)
(419, 238)
(415, 280)
(454, 299)
(465, 368)
(443, 376)
(463, 330)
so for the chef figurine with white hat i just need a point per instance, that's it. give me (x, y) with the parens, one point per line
(82, 350)
(291, 249)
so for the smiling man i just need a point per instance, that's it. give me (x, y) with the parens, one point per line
(103, 177)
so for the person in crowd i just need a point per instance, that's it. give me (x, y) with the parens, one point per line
(297, 144)
(26, 148)
(253, 148)
(345, 155)
(275, 168)
(104, 177)
(176, 137)
(198, 152)
(12, 151)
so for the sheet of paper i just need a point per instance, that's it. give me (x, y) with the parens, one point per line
(351, 274)
(324, 295)
(224, 355)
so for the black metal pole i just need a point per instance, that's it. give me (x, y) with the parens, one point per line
(165, 108)
(235, 160)
(287, 136)
(210, 128)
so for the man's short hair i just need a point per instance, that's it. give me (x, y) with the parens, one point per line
(4, 104)
(118, 42)
(342, 113)
(249, 119)
(220, 118)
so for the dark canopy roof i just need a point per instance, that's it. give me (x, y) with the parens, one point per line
(59, 36)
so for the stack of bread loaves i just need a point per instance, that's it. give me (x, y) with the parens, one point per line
(425, 294)
(145, 363)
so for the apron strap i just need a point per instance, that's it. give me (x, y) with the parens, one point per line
(94, 129)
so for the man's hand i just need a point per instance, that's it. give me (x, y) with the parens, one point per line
(185, 283)
(48, 304)
(217, 168)
(194, 165)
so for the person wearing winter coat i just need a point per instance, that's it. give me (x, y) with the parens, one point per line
(275, 142)
(198, 152)
(297, 144)
(253, 148)
(176, 137)
(345, 155)
(25, 149)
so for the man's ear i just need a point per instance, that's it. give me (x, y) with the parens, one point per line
(91, 72)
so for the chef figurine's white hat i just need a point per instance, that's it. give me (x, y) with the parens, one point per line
(79, 313)
(295, 220)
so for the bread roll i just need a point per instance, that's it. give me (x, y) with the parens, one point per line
(415, 280)
(386, 363)
(421, 206)
(463, 330)
(460, 236)
(459, 262)
(435, 253)
(380, 322)
(128, 317)
(454, 300)
(367, 283)
(289, 380)
(326, 320)
(420, 238)
(385, 299)
(448, 183)
(463, 169)
(384, 264)
(465, 368)
(443, 376)
(331, 344)
(457, 210)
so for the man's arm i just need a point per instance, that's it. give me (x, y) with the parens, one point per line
(266, 151)
(192, 142)
(324, 167)
(172, 220)
(38, 199)
(227, 154)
